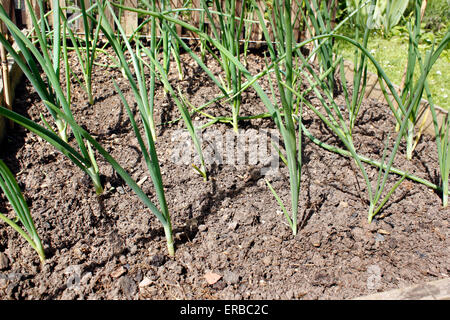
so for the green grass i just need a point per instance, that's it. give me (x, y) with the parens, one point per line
(392, 56)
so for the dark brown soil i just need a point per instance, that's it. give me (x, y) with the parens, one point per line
(112, 247)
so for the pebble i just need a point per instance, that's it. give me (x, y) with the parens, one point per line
(4, 261)
(157, 260)
(267, 260)
(145, 282)
(120, 190)
(233, 225)
(118, 272)
(231, 277)
(202, 228)
(315, 240)
(379, 237)
(212, 277)
(343, 204)
(128, 286)
(382, 231)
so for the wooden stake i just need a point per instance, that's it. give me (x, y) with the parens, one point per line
(130, 19)
(4, 57)
(26, 15)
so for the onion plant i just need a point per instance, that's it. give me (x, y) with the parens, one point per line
(442, 134)
(359, 76)
(319, 14)
(139, 89)
(78, 159)
(85, 49)
(15, 197)
(50, 91)
(181, 102)
(166, 43)
(284, 72)
(334, 120)
(138, 86)
(412, 91)
(443, 147)
(228, 33)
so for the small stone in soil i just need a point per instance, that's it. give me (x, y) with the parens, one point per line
(233, 225)
(379, 237)
(145, 282)
(267, 260)
(220, 285)
(127, 286)
(120, 190)
(118, 272)
(157, 260)
(212, 277)
(4, 261)
(231, 277)
(315, 240)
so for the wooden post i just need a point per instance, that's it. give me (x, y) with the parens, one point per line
(4, 60)
(110, 18)
(9, 7)
(26, 15)
(296, 17)
(130, 19)
(256, 30)
(196, 14)
(177, 4)
(80, 23)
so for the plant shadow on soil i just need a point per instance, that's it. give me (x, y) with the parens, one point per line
(230, 225)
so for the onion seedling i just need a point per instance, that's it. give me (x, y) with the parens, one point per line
(78, 159)
(285, 78)
(319, 16)
(412, 91)
(442, 134)
(52, 93)
(139, 89)
(443, 147)
(181, 102)
(15, 197)
(142, 95)
(359, 76)
(228, 33)
(86, 53)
